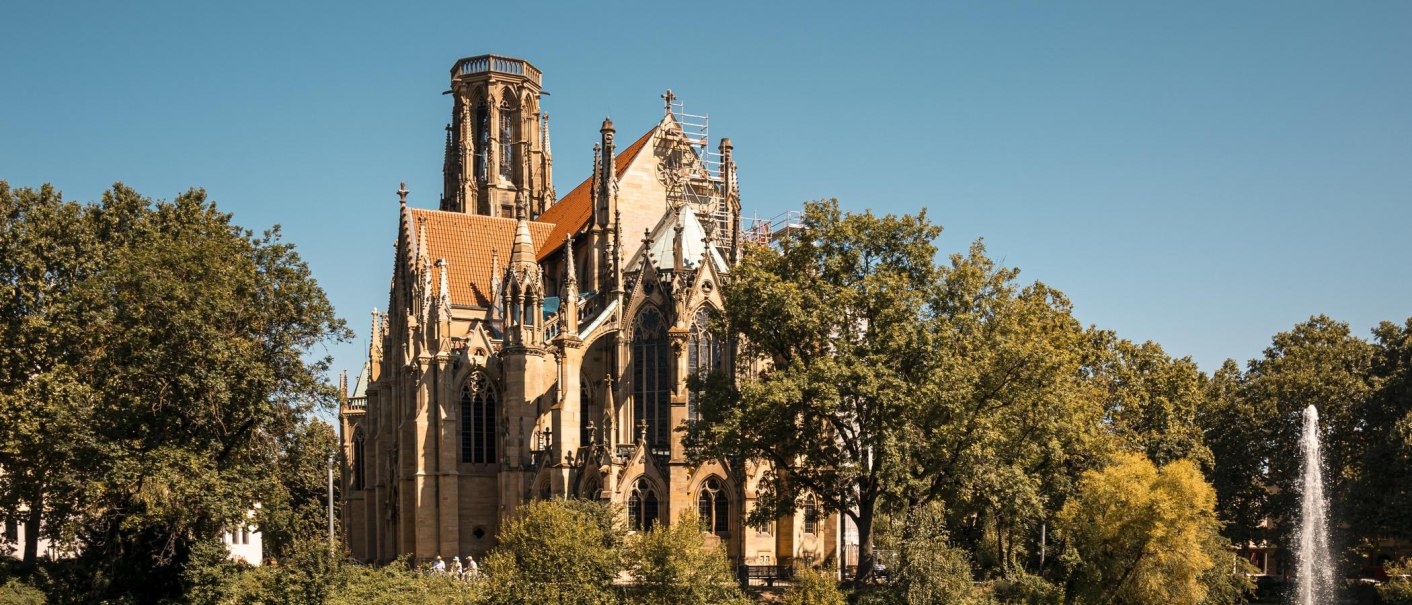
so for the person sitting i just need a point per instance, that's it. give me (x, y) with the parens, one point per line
(472, 569)
(456, 570)
(438, 566)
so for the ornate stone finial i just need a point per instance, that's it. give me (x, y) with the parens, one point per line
(570, 271)
(402, 193)
(668, 97)
(607, 125)
(642, 431)
(520, 205)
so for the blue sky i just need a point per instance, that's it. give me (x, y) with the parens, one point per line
(1199, 174)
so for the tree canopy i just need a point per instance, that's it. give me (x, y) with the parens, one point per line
(156, 357)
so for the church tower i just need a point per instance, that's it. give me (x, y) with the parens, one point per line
(497, 144)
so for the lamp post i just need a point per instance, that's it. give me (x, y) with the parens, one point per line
(330, 504)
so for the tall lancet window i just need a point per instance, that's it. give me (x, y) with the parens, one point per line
(482, 139)
(642, 506)
(714, 507)
(478, 421)
(509, 119)
(586, 415)
(703, 355)
(358, 479)
(651, 393)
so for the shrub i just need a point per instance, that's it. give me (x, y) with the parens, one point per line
(1398, 589)
(813, 588)
(16, 592)
(673, 564)
(554, 552)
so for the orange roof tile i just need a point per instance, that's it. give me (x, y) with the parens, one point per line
(574, 210)
(466, 241)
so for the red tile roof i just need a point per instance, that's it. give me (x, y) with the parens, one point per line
(467, 242)
(574, 210)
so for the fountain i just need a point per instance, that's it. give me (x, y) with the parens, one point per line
(1314, 575)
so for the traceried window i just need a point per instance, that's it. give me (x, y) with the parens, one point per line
(358, 479)
(586, 416)
(714, 507)
(482, 140)
(478, 414)
(642, 506)
(508, 119)
(703, 355)
(651, 359)
(811, 514)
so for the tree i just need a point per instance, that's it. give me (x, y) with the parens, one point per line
(181, 341)
(554, 551)
(812, 587)
(1380, 497)
(1153, 400)
(830, 322)
(1141, 535)
(1254, 427)
(672, 564)
(49, 249)
(927, 569)
(872, 375)
(293, 508)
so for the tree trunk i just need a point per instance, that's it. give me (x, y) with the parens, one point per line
(865, 540)
(36, 511)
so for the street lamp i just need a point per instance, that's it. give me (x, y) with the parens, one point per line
(330, 504)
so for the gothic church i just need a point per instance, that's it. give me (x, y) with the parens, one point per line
(537, 346)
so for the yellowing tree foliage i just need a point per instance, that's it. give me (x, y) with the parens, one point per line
(1138, 534)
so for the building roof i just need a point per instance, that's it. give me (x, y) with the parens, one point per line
(574, 210)
(360, 384)
(468, 242)
(693, 240)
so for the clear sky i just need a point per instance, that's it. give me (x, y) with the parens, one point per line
(1199, 174)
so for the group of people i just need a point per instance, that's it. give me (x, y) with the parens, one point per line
(456, 570)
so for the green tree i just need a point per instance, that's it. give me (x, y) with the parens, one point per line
(832, 320)
(1254, 427)
(554, 552)
(184, 340)
(49, 251)
(1153, 400)
(672, 564)
(927, 568)
(1381, 503)
(812, 587)
(1140, 535)
(1015, 416)
(294, 506)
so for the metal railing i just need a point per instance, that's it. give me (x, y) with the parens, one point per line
(497, 64)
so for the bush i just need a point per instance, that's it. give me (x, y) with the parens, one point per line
(1398, 589)
(674, 565)
(1027, 589)
(556, 552)
(927, 568)
(813, 588)
(16, 592)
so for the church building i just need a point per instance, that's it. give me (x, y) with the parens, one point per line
(538, 346)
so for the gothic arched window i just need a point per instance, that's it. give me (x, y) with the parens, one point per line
(811, 514)
(482, 140)
(642, 506)
(703, 354)
(586, 414)
(508, 119)
(714, 507)
(358, 480)
(651, 361)
(478, 415)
